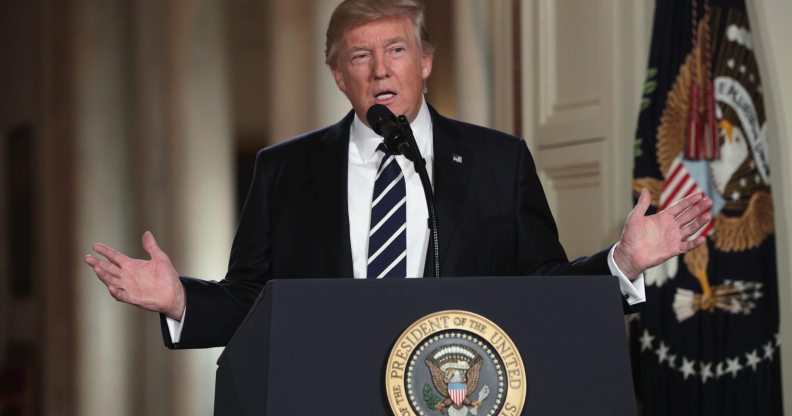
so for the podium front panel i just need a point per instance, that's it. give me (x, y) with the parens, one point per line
(320, 346)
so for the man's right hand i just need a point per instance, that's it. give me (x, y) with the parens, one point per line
(150, 284)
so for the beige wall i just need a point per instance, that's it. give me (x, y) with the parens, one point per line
(772, 32)
(138, 110)
(581, 91)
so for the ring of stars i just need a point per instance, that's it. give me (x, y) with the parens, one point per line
(703, 371)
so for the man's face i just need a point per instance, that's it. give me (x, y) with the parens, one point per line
(381, 62)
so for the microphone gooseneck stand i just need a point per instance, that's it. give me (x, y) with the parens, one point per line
(414, 154)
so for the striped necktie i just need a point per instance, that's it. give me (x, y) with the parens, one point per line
(387, 249)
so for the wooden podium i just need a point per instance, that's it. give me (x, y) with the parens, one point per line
(320, 346)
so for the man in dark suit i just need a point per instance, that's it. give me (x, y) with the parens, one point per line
(309, 210)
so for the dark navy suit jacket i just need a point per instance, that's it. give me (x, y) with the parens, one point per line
(494, 220)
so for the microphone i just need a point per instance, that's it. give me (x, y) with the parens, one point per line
(385, 123)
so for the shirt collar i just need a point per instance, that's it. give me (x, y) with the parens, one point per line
(366, 140)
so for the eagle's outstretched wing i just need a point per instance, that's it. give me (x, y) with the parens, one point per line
(438, 378)
(473, 376)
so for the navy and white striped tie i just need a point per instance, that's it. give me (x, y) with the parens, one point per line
(387, 249)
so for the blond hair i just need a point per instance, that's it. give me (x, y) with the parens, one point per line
(352, 13)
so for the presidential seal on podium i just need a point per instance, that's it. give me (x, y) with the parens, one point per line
(455, 363)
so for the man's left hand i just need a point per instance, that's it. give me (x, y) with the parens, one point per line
(647, 241)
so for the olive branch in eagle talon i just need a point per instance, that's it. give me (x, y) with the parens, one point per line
(429, 397)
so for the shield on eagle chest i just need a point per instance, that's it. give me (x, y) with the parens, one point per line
(457, 392)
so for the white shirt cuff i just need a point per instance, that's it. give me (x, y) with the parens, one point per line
(175, 327)
(633, 291)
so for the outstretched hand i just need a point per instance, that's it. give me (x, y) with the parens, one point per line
(150, 284)
(647, 241)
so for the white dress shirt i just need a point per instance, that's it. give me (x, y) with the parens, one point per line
(363, 162)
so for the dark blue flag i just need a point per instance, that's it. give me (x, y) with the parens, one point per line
(706, 342)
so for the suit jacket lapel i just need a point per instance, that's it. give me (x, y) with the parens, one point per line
(329, 168)
(452, 164)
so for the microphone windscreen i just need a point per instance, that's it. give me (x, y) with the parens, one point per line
(377, 115)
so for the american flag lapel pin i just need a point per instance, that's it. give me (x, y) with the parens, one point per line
(456, 158)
